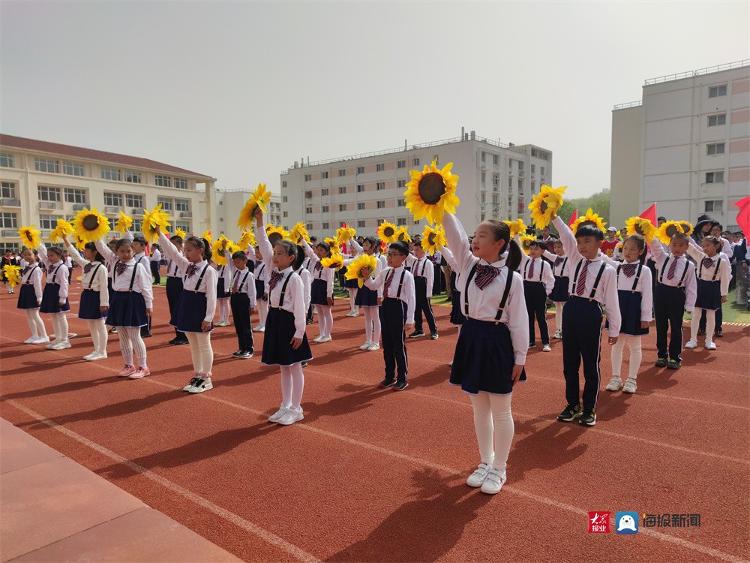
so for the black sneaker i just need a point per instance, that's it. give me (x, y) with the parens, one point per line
(245, 355)
(401, 385)
(434, 336)
(588, 419)
(387, 383)
(173, 341)
(661, 362)
(532, 344)
(237, 354)
(569, 413)
(416, 334)
(673, 364)
(718, 333)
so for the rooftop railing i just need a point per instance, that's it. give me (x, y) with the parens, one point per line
(626, 105)
(699, 72)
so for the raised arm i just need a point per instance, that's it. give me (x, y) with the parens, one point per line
(549, 255)
(568, 239)
(172, 253)
(310, 253)
(658, 251)
(695, 251)
(458, 242)
(105, 251)
(75, 255)
(266, 250)
(42, 251)
(448, 255)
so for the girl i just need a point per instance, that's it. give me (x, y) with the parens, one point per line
(321, 291)
(223, 281)
(108, 251)
(538, 282)
(492, 345)
(367, 299)
(560, 291)
(285, 342)
(634, 291)
(55, 296)
(174, 290)
(713, 275)
(260, 271)
(30, 297)
(94, 298)
(195, 313)
(130, 302)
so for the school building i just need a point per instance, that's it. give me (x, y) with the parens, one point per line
(684, 146)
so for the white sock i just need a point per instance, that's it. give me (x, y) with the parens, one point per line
(286, 387)
(126, 346)
(710, 324)
(32, 323)
(617, 348)
(368, 325)
(636, 354)
(139, 347)
(298, 385)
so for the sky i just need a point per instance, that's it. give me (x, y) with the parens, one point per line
(240, 90)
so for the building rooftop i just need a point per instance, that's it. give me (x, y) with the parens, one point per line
(697, 72)
(93, 154)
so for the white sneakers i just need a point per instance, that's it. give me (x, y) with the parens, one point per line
(630, 386)
(709, 345)
(199, 385)
(352, 314)
(557, 335)
(277, 415)
(320, 339)
(59, 345)
(614, 384)
(93, 356)
(365, 346)
(290, 417)
(490, 479)
(691, 344)
(373, 347)
(41, 340)
(546, 348)
(259, 329)
(222, 323)
(30, 340)
(477, 478)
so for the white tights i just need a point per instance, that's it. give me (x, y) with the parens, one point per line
(131, 344)
(493, 424)
(292, 386)
(98, 334)
(558, 314)
(36, 325)
(262, 312)
(60, 326)
(223, 310)
(325, 319)
(372, 325)
(201, 351)
(634, 343)
(352, 297)
(710, 323)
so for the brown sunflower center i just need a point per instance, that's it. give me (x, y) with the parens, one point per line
(639, 228)
(672, 230)
(431, 238)
(90, 222)
(685, 227)
(543, 206)
(388, 231)
(431, 188)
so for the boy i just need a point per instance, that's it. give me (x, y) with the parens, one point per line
(396, 312)
(593, 286)
(242, 299)
(155, 262)
(538, 281)
(674, 294)
(424, 276)
(174, 290)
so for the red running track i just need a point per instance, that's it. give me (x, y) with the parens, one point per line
(373, 475)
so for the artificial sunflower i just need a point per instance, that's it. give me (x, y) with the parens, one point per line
(30, 237)
(517, 227)
(432, 192)
(124, 222)
(80, 243)
(258, 200)
(544, 205)
(526, 241)
(432, 239)
(299, 233)
(180, 233)
(90, 225)
(668, 229)
(208, 235)
(153, 221)
(402, 234)
(355, 267)
(641, 226)
(63, 228)
(12, 274)
(276, 233)
(589, 218)
(345, 234)
(247, 240)
(335, 261)
(687, 227)
(387, 232)
(221, 245)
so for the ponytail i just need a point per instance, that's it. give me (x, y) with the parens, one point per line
(514, 256)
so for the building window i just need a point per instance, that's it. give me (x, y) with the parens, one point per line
(323, 175)
(401, 221)
(716, 91)
(401, 202)
(402, 183)
(137, 225)
(714, 148)
(361, 224)
(72, 168)
(285, 214)
(495, 159)
(44, 165)
(7, 160)
(360, 188)
(283, 199)
(718, 119)
(361, 205)
(510, 182)
(381, 205)
(324, 209)
(342, 172)
(181, 183)
(342, 207)
(496, 180)
(166, 203)
(283, 183)
(163, 181)
(714, 177)
(533, 169)
(8, 190)
(379, 167)
(133, 177)
(415, 162)
(8, 220)
(324, 191)
(484, 177)
(47, 193)
(381, 185)
(308, 209)
(110, 174)
(484, 156)
(380, 222)
(48, 222)
(541, 169)
(75, 195)
(342, 189)
(308, 177)
(360, 169)
(182, 205)
(308, 195)
(112, 200)
(309, 226)
(325, 226)
(713, 206)
(134, 200)
(401, 164)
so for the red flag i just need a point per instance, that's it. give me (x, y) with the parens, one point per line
(743, 215)
(650, 214)
(573, 218)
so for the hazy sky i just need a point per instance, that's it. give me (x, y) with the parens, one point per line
(240, 90)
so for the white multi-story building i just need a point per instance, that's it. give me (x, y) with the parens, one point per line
(42, 181)
(496, 181)
(685, 146)
(230, 203)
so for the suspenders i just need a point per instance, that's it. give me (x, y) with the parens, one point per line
(91, 279)
(200, 279)
(637, 276)
(541, 270)
(260, 270)
(242, 283)
(424, 265)
(28, 274)
(400, 283)
(132, 279)
(716, 269)
(684, 272)
(596, 281)
(54, 275)
(283, 291)
(501, 308)
(562, 267)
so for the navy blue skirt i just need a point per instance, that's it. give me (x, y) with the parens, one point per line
(630, 311)
(484, 358)
(349, 284)
(560, 292)
(51, 300)
(190, 312)
(127, 308)
(709, 295)
(319, 292)
(260, 290)
(27, 297)
(220, 291)
(89, 308)
(277, 349)
(366, 297)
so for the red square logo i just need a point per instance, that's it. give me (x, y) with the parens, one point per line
(599, 522)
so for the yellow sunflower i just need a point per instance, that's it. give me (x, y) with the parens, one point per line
(432, 192)
(79, 242)
(687, 227)
(345, 234)
(258, 200)
(545, 204)
(63, 228)
(247, 240)
(335, 261)
(152, 219)
(355, 267)
(589, 218)
(30, 237)
(517, 227)
(526, 241)
(402, 234)
(180, 233)
(219, 247)
(641, 226)
(276, 233)
(208, 235)
(432, 239)
(90, 225)
(387, 232)
(668, 229)
(13, 274)
(124, 222)
(299, 233)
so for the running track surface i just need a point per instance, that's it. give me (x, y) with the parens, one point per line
(374, 475)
